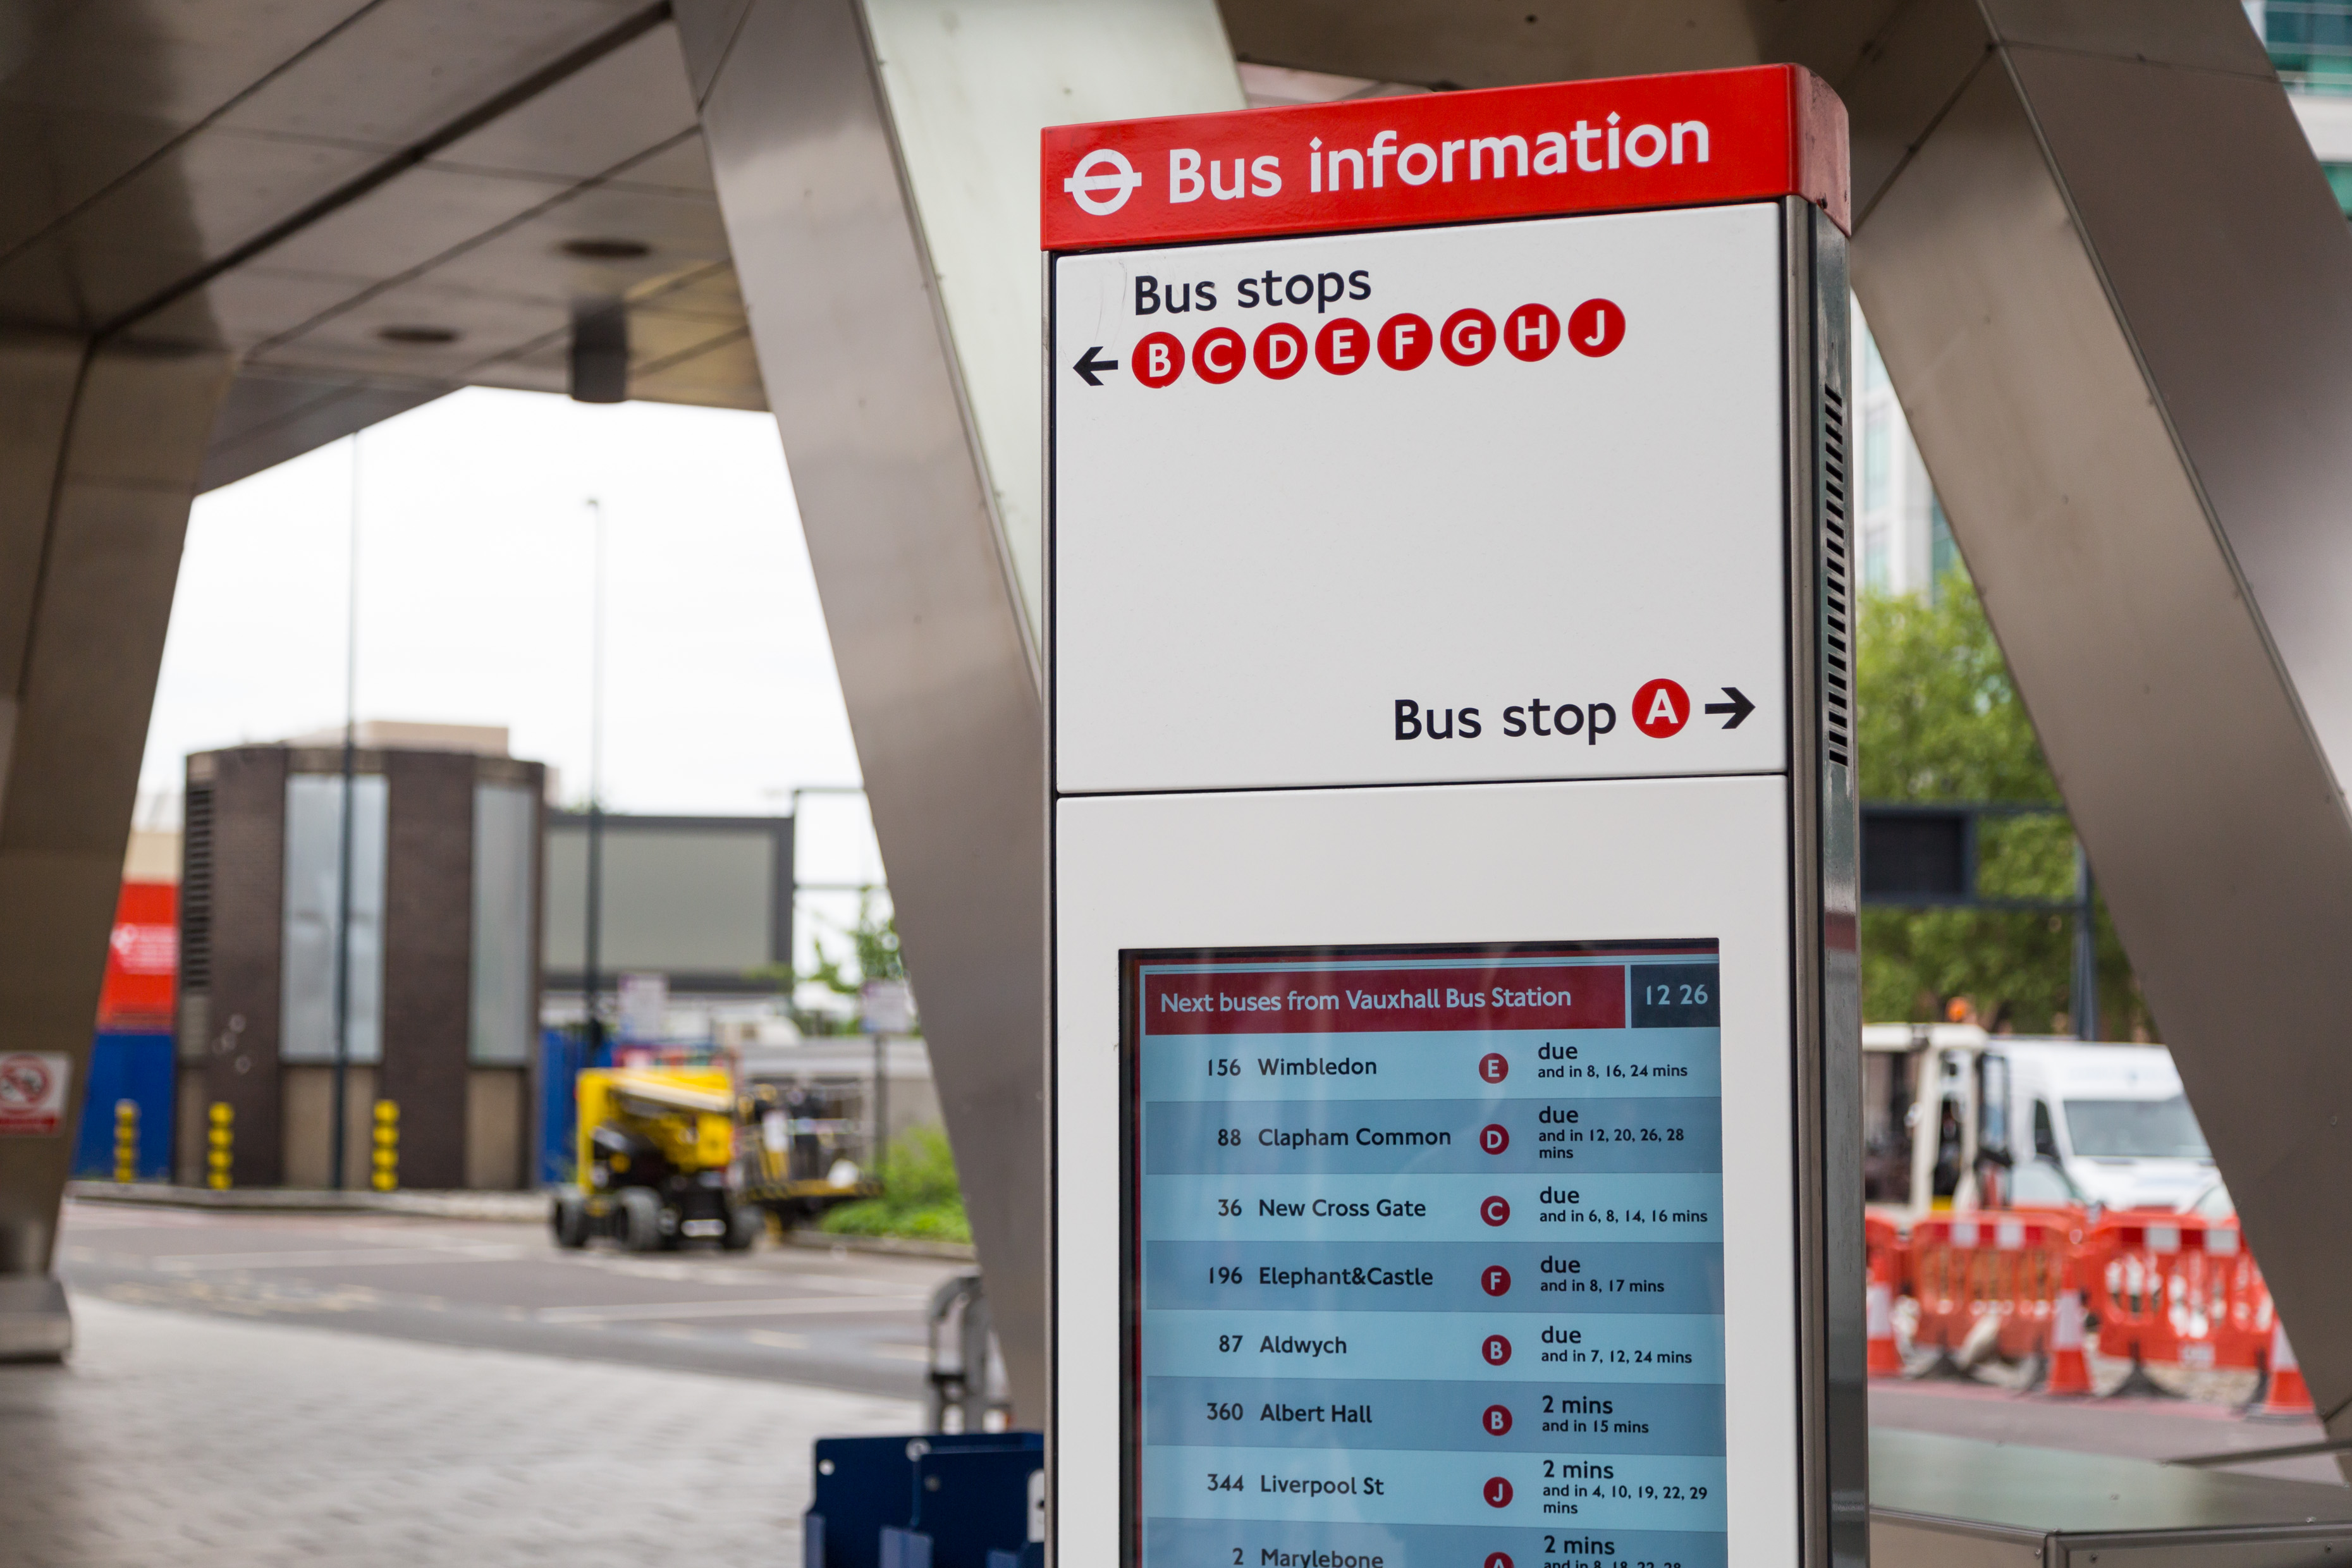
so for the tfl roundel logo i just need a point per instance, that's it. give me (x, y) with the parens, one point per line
(1099, 172)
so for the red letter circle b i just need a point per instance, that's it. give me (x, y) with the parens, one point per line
(1497, 1420)
(1531, 332)
(1498, 1493)
(1467, 337)
(1159, 360)
(1493, 1138)
(1497, 1350)
(1496, 1280)
(1494, 1210)
(1494, 1066)
(1218, 356)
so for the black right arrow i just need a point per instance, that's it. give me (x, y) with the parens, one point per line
(1739, 708)
(1087, 365)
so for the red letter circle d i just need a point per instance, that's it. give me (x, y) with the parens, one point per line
(1467, 337)
(1660, 708)
(1493, 1138)
(1281, 351)
(1596, 327)
(1218, 356)
(1494, 1210)
(1159, 359)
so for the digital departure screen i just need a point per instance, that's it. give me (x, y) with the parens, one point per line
(1425, 1257)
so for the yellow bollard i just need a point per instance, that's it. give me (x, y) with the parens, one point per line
(126, 1140)
(216, 1158)
(387, 1145)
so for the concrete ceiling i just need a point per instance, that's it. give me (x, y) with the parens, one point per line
(374, 202)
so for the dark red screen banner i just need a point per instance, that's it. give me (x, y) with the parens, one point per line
(1687, 140)
(1320, 1001)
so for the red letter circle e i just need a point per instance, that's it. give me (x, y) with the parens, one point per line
(1495, 1279)
(1404, 342)
(1218, 356)
(1660, 708)
(1493, 1138)
(1498, 1493)
(1497, 1420)
(1159, 359)
(1494, 1210)
(1497, 1350)
(1342, 347)
(1531, 332)
(1281, 351)
(1494, 1066)
(1468, 336)
(1596, 327)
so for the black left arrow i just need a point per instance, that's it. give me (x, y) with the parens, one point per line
(1087, 365)
(1739, 708)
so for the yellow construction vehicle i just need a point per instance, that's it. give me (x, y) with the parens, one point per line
(656, 1162)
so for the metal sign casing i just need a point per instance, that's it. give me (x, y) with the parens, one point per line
(1453, 950)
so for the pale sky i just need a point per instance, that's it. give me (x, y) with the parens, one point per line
(474, 608)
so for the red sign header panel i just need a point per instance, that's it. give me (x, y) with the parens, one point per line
(1449, 157)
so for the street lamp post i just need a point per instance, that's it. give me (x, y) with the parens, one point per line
(337, 1111)
(592, 979)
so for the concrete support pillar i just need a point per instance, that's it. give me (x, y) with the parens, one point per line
(99, 456)
(2115, 294)
(876, 168)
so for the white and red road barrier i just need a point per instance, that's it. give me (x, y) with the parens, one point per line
(2169, 1290)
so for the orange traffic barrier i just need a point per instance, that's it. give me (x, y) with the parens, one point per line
(2176, 1290)
(1994, 1272)
(2288, 1396)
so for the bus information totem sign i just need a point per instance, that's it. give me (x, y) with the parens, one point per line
(1456, 1026)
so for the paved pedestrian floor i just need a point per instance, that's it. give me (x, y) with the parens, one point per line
(205, 1443)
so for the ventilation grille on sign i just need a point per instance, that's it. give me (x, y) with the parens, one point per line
(196, 892)
(1837, 660)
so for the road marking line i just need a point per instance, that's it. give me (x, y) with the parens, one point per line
(656, 1311)
(341, 1258)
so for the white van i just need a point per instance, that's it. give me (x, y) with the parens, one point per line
(2025, 1121)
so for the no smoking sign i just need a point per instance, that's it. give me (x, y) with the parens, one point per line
(33, 1093)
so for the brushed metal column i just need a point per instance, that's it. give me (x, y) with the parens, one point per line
(875, 162)
(98, 458)
(2115, 292)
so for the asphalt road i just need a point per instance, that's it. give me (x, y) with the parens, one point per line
(834, 1319)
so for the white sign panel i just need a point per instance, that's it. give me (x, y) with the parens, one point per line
(33, 1086)
(1485, 502)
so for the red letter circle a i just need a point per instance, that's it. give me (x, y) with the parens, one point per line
(1498, 1492)
(1531, 332)
(1218, 356)
(1660, 708)
(1494, 1210)
(1405, 342)
(1494, 1066)
(1468, 336)
(1596, 327)
(1499, 1560)
(1497, 1350)
(1281, 351)
(1159, 360)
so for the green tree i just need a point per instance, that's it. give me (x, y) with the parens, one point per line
(873, 949)
(1939, 720)
(921, 1195)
